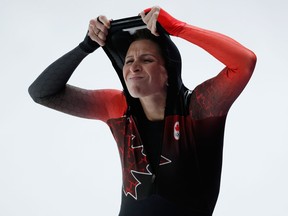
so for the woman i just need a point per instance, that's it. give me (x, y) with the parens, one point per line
(170, 138)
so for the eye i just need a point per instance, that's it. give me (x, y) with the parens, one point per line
(148, 60)
(129, 61)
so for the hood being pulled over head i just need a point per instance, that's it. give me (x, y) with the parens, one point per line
(118, 41)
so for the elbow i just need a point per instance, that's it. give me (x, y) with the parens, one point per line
(246, 64)
(251, 61)
(34, 94)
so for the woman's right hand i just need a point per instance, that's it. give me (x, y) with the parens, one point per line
(98, 29)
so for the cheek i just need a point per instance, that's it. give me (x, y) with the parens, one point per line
(124, 72)
(164, 76)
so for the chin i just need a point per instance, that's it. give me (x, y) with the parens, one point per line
(138, 94)
(135, 92)
(135, 95)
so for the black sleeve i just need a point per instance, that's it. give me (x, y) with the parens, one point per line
(54, 78)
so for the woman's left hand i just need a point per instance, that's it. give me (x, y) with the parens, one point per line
(172, 25)
(150, 19)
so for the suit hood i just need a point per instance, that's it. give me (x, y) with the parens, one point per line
(120, 36)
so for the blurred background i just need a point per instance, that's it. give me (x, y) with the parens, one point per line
(55, 164)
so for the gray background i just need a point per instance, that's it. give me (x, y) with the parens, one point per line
(55, 164)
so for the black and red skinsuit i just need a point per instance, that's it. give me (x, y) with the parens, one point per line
(169, 167)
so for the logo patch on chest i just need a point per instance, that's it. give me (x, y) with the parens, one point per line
(176, 130)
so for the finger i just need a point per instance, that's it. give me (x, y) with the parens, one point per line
(102, 36)
(100, 23)
(153, 28)
(142, 14)
(151, 23)
(104, 21)
(93, 27)
(150, 14)
(98, 29)
(93, 30)
(95, 35)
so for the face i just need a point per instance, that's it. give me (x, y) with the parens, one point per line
(144, 70)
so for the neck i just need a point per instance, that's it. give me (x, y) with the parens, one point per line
(154, 107)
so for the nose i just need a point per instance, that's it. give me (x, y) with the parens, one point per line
(135, 67)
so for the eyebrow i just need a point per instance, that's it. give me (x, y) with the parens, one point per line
(143, 55)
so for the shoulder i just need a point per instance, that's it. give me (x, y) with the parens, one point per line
(114, 102)
(204, 101)
(107, 103)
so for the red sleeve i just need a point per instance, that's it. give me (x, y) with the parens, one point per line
(215, 96)
(100, 104)
(91, 104)
(108, 103)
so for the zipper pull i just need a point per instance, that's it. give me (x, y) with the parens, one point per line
(153, 178)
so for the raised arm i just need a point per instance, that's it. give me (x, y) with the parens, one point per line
(215, 96)
(51, 89)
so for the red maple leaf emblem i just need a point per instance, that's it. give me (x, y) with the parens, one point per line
(132, 156)
(136, 162)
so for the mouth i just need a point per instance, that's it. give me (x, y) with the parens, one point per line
(135, 78)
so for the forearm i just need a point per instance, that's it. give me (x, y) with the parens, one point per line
(231, 53)
(214, 96)
(54, 78)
